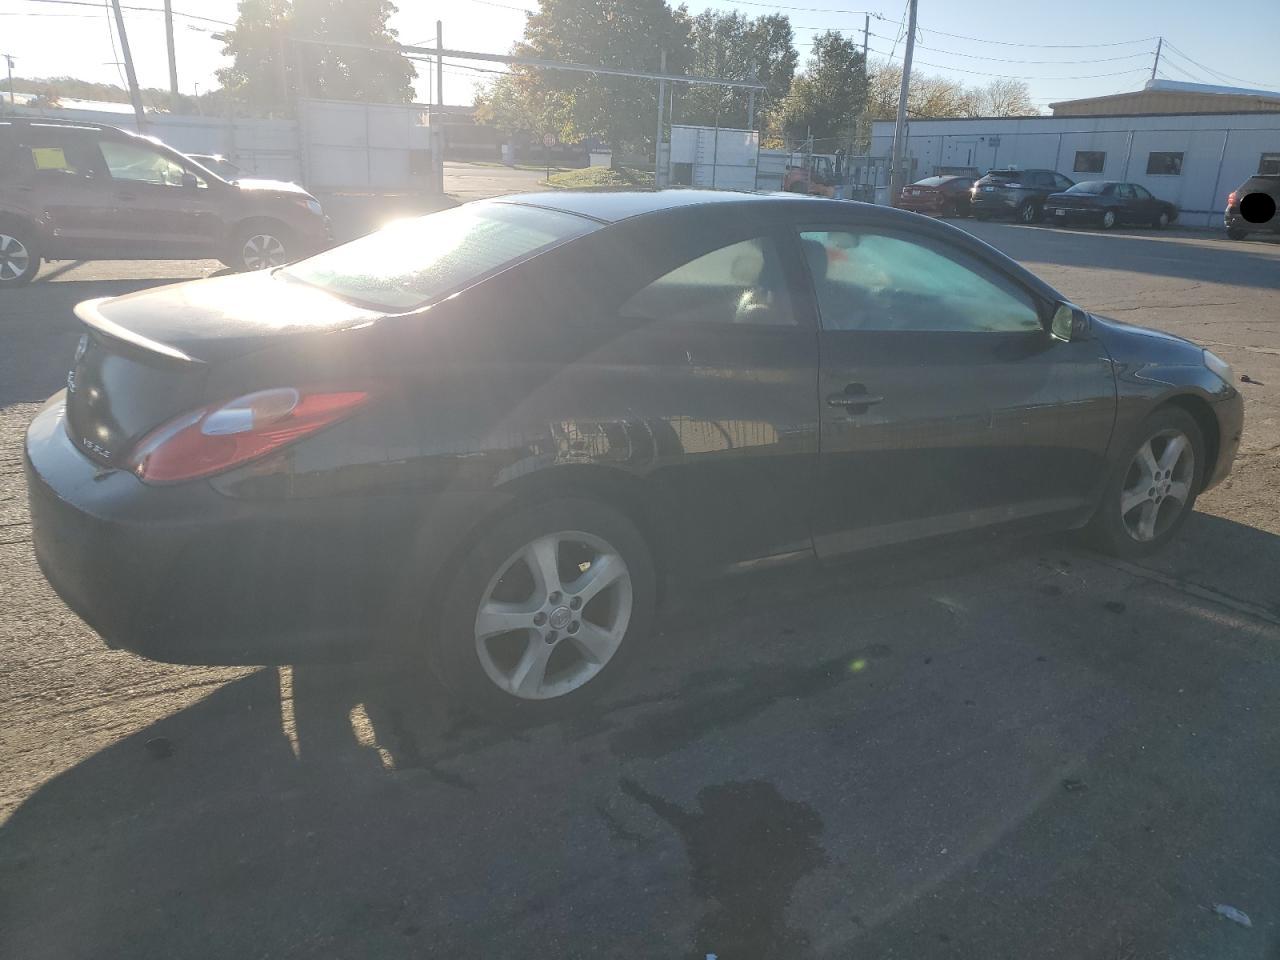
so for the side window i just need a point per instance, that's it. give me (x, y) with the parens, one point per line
(873, 281)
(1140, 191)
(1089, 161)
(741, 283)
(131, 161)
(52, 154)
(1124, 191)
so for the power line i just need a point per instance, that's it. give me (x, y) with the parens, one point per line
(1011, 76)
(1210, 70)
(1043, 46)
(115, 55)
(978, 56)
(176, 13)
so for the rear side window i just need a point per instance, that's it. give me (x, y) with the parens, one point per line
(54, 152)
(414, 262)
(741, 283)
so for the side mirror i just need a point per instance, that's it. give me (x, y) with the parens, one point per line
(189, 181)
(1069, 322)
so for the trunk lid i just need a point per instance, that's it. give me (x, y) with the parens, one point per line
(146, 357)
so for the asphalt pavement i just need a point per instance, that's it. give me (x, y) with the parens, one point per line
(980, 748)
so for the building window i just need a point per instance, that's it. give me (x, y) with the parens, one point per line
(1089, 161)
(1164, 164)
(1270, 163)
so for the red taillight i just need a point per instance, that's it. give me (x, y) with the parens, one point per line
(1231, 199)
(221, 436)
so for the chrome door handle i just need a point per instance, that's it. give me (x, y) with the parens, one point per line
(853, 400)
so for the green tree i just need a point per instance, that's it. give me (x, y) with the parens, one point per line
(827, 99)
(732, 46)
(276, 60)
(627, 34)
(517, 103)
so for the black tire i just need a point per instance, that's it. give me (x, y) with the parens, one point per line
(254, 232)
(454, 650)
(19, 254)
(1108, 530)
(1236, 233)
(1108, 219)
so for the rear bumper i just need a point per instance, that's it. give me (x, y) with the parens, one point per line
(929, 205)
(187, 575)
(1063, 215)
(995, 204)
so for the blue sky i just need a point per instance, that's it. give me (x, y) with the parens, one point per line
(957, 39)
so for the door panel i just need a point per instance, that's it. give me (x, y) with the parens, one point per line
(62, 180)
(976, 416)
(159, 216)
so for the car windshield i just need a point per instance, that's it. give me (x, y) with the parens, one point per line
(413, 262)
(1089, 186)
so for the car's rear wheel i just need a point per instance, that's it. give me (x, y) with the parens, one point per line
(1162, 220)
(259, 245)
(1029, 212)
(19, 255)
(1152, 487)
(1236, 233)
(548, 606)
(1108, 219)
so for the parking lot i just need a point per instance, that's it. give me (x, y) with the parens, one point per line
(979, 749)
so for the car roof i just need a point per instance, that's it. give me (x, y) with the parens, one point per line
(612, 207)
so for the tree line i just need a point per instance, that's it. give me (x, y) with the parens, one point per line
(283, 49)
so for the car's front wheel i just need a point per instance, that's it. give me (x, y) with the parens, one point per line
(19, 255)
(1151, 489)
(550, 603)
(259, 245)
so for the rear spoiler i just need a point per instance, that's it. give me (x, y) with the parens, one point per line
(91, 316)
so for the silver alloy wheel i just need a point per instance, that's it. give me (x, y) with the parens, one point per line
(1028, 214)
(262, 250)
(1109, 219)
(1157, 485)
(1163, 220)
(15, 258)
(541, 634)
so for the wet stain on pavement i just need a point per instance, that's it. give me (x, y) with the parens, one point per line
(748, 847)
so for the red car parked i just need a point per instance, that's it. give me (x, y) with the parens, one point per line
(946, 196)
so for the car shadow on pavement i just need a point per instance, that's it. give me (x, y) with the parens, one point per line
(1209, 262)
(979, 749)
(39, 331)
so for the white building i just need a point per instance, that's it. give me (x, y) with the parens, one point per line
(1191, 159)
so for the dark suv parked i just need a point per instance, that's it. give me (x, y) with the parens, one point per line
(83, 191)
(1017, 193)
(1252, 207)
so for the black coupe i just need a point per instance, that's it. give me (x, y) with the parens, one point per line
(497, 435)
(1109, 203)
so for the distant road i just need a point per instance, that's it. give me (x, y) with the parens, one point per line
(475, 181)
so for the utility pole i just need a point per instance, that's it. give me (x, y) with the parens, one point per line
(173, 58)
(1155, 66)
(866, 88)
(9, 59)
(439, 63)
(134, 93)
(657, 140)
(900, 127)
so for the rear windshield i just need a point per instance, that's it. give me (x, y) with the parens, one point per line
(1088, 186)
(1004, 175)
(411, 263)
(932, 181)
